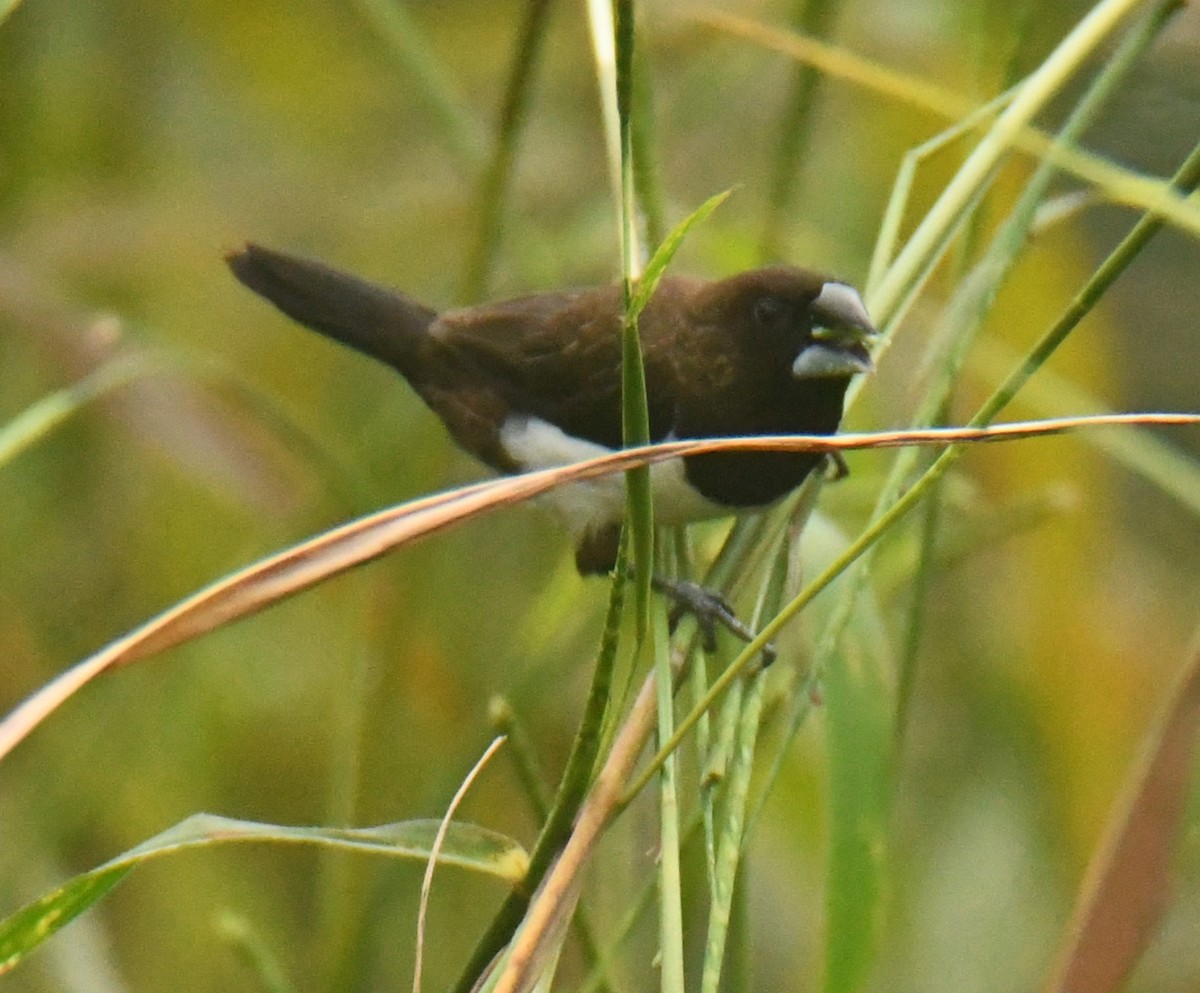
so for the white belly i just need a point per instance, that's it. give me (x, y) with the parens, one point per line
(538, 444)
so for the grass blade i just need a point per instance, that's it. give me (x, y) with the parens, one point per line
(465, 846)
(38, 420)
(21, 933)
(663, 255)
(1127, 885)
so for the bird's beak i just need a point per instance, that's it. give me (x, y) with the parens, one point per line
(841, 328)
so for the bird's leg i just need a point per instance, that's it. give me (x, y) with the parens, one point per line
(709, 608)
(596, 553)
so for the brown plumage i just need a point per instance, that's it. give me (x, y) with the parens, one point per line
(518, 383)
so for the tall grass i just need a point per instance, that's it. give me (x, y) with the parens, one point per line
(737, 755)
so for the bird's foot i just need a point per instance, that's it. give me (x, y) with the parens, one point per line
(709, 608)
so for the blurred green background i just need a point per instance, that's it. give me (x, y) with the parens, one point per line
(139, 141)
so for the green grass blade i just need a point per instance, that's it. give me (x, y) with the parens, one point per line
(38, 420)
(959, 326)
(736, 790)
(663, 255)
(843, 962)
(670, 886)
(919, 582)
(1116, 183)
(1186, 180)
(603, 34)
(635, 420)
(1144, 453)
(21, 933)
(612, 42)
(465, 845)
(931, 235)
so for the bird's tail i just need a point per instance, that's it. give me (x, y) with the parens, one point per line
(377, 321)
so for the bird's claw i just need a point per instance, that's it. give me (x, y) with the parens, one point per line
(709, 608)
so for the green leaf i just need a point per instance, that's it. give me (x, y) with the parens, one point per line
(465, 845)
(33, 924)
(665, 252)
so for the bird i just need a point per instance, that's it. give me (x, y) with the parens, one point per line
(535, 382)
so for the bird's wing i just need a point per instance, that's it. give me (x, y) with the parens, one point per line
(556, 357)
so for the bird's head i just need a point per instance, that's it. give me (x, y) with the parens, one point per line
(816, 324)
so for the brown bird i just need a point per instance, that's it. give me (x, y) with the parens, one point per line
(536, 381)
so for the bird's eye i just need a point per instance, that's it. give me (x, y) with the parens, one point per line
(769, 311)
